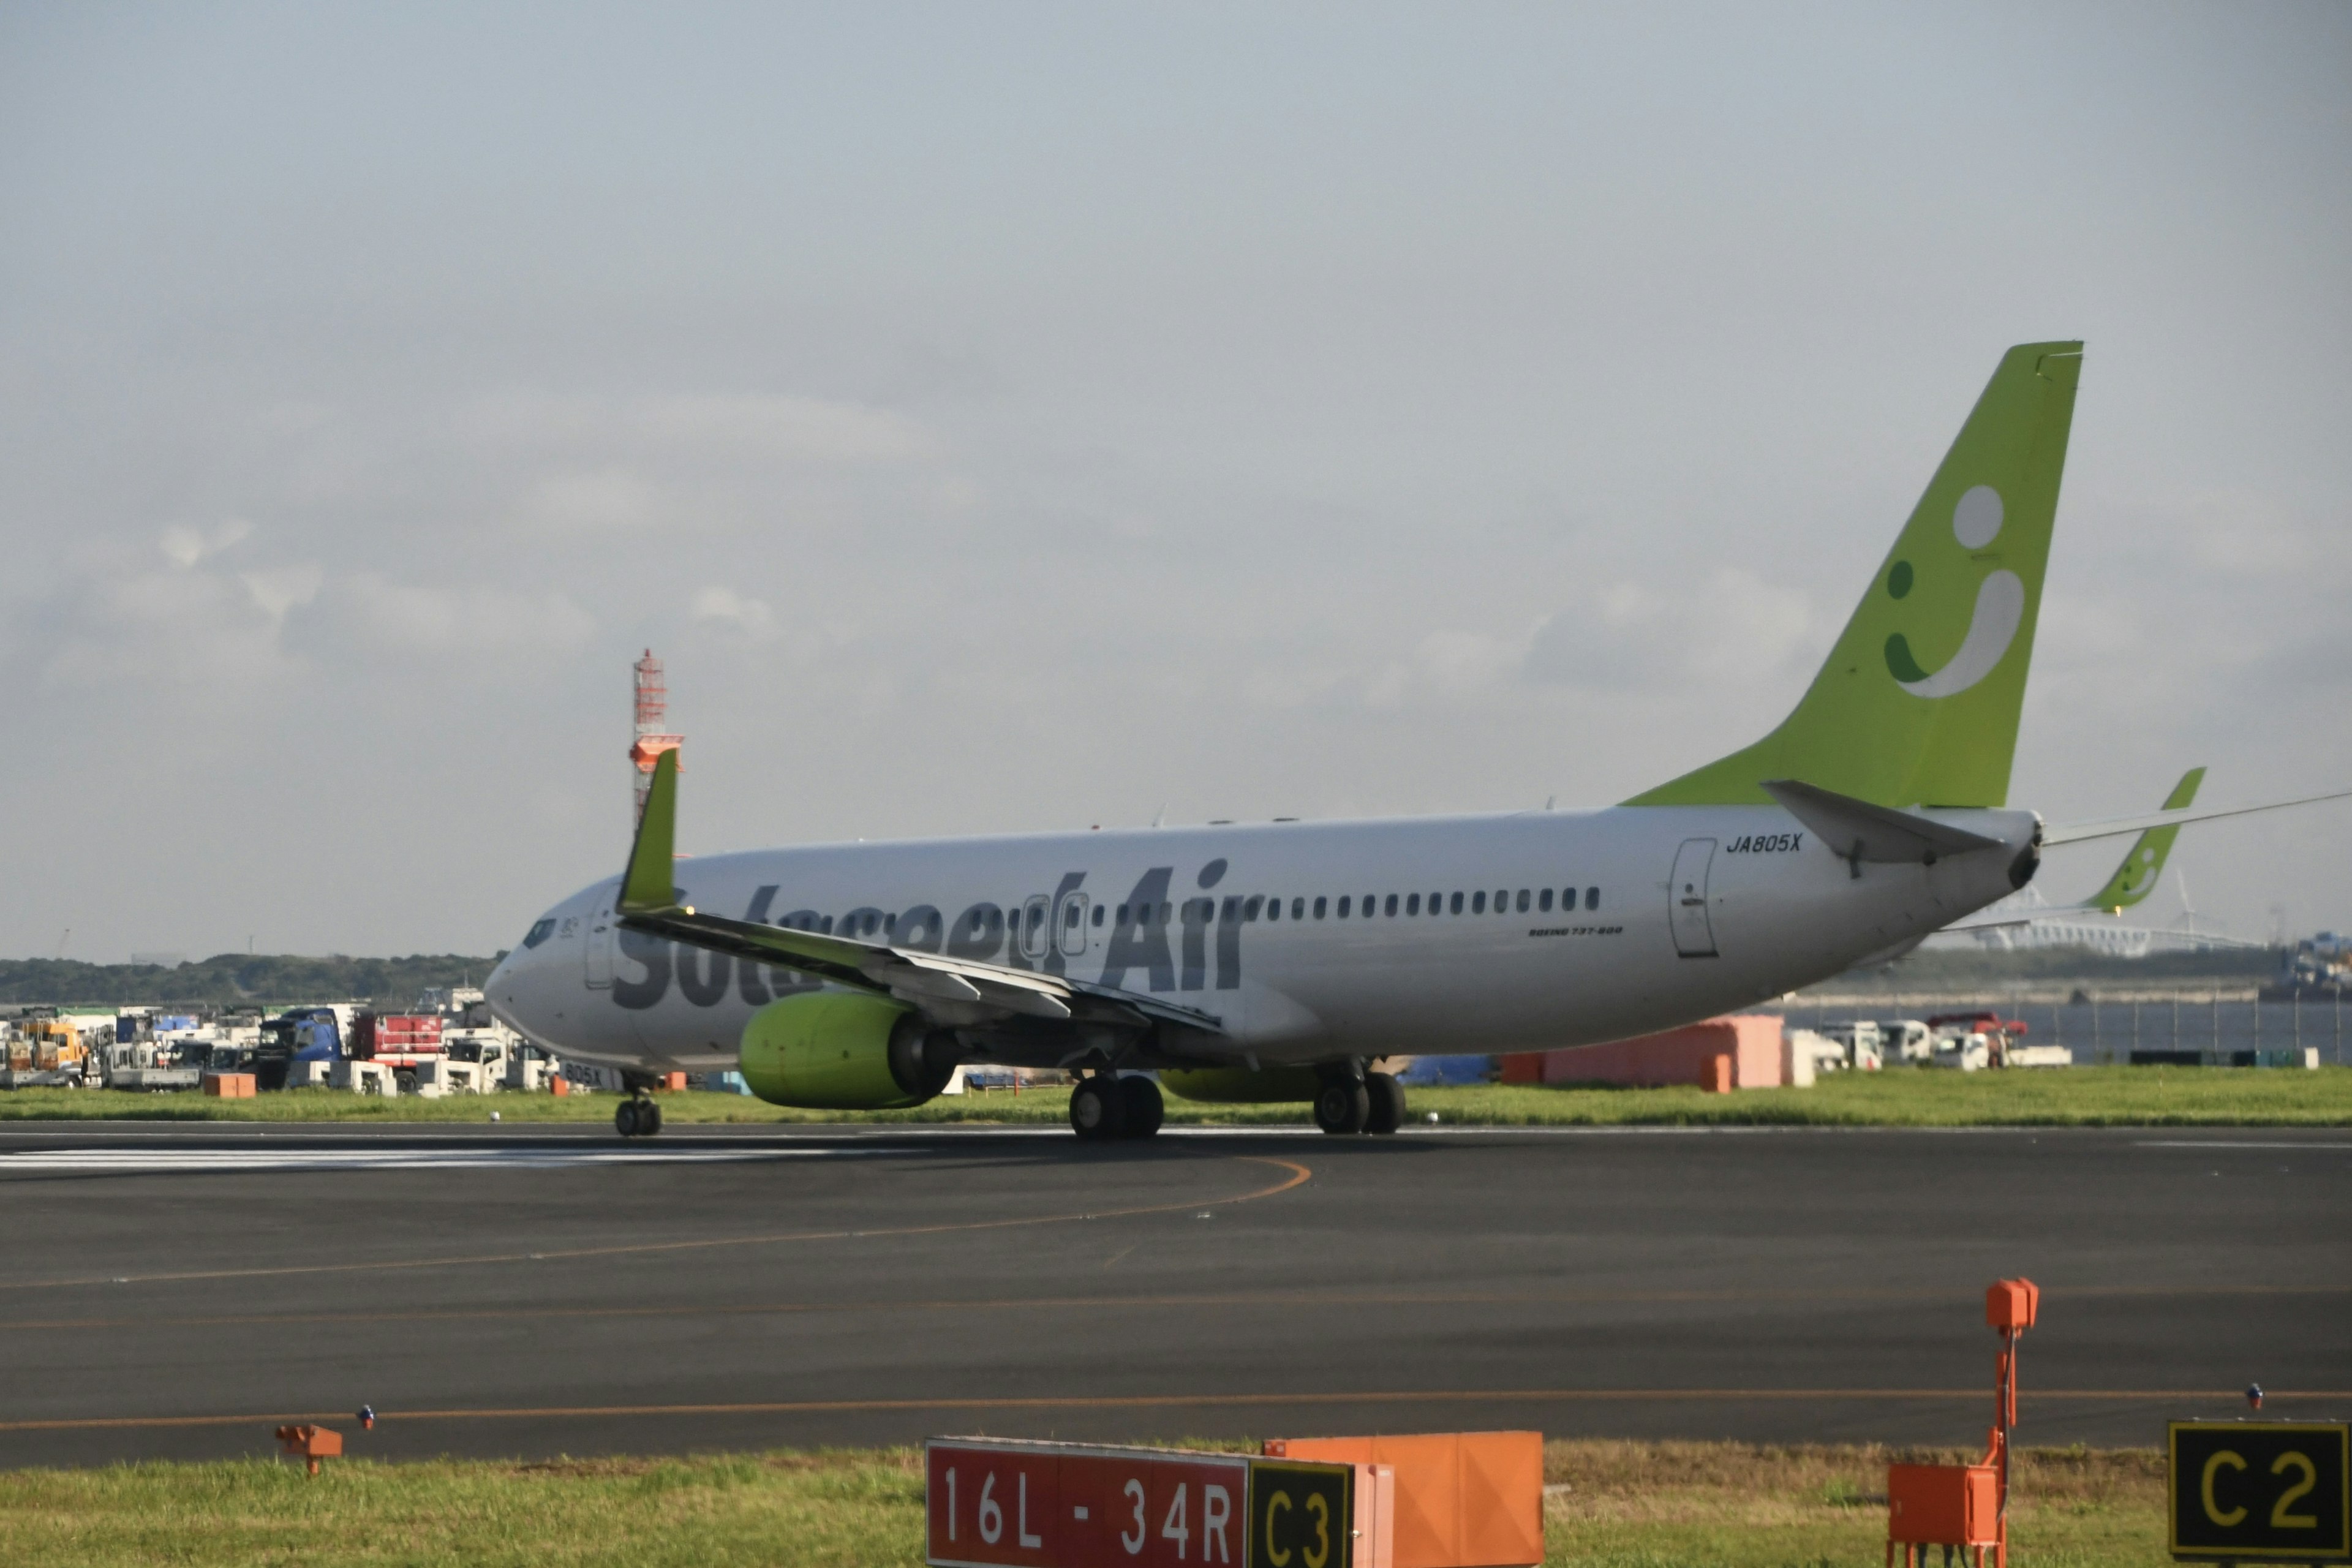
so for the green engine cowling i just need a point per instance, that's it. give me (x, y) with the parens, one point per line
(843, 1051)
(1239, 1086)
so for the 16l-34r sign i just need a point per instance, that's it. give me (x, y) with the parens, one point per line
(1055, 1505)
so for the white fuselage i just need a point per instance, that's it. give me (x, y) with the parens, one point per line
(1680, 912)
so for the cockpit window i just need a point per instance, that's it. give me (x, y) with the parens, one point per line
(539, 932)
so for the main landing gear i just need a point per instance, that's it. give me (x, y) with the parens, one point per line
(1104, 1105)
(638, 1117)
(1373, 1102)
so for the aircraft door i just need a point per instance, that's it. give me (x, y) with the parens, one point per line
(1035, 938)
(599, 951)
(1070, 925)
(1686, 899)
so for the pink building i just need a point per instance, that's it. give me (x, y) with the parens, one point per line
(1749, 1041)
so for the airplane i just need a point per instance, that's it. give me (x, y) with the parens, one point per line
(1279, 961)
(2135, 877)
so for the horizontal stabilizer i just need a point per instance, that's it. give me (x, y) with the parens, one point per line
(2116, 828)
(1860, 831)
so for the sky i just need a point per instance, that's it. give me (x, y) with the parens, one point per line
(1021, 417)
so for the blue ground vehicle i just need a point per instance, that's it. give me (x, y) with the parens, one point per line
(297, 1034)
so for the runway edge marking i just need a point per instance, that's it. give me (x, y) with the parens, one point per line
(1163, 1401)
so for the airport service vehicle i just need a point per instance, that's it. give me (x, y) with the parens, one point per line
(401, 1042)
(482, 1049)
(297, 1034)
(149, 1066)
(45, 1052)
(1277, 960)
(500, 1059)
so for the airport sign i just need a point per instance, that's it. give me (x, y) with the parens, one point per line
(1302, 1514)
(2261, 1491)
(992, 1501)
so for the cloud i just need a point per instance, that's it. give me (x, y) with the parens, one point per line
(1731, 629)
(280, 589)
(365, 613)
(1445, 666)
(184, 546)
(120, 621)
(753, 617)
(703, 463)
(760, 427)
(591, 499)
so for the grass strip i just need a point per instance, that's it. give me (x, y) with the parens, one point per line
(1621, 1504)
(1899, 1097)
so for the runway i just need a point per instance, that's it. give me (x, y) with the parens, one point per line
(178, 1290)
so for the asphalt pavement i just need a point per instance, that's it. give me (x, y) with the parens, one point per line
(180, 1290)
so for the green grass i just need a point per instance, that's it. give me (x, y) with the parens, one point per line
(1905, 1097)
(1630, 1505)
(1633, 1505)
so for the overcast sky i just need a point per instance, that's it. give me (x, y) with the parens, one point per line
(1013, 417)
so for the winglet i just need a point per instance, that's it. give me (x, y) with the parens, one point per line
(2143, 863)
(645, 886)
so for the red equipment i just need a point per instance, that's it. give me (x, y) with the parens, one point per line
(311, 1444)
(1968, 1505)
(398, 1040)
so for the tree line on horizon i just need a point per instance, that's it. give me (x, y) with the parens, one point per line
(235, 979)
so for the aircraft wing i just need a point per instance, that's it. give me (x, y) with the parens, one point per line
(2116, 828)
(2032, 917)
(955, 991)
(2142, 864)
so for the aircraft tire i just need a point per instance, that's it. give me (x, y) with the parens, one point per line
(625, 1119)
(1097, 1110)
(1388, 1102)
(1343, 1106)
(648, 1118)
(1145, 1109)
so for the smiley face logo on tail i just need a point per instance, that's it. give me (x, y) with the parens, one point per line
(1999, 608)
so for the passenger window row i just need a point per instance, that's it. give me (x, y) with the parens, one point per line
(1505, 902)
(870, 922)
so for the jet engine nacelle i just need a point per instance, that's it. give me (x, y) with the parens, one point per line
(843, 1051)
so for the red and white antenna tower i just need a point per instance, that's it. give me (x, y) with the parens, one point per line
(653, 722)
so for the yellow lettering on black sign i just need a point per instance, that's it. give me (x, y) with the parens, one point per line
(1301, 1514)
(2254, 1490)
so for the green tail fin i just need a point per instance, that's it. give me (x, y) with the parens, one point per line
(2136, 876)
(1918, 701)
